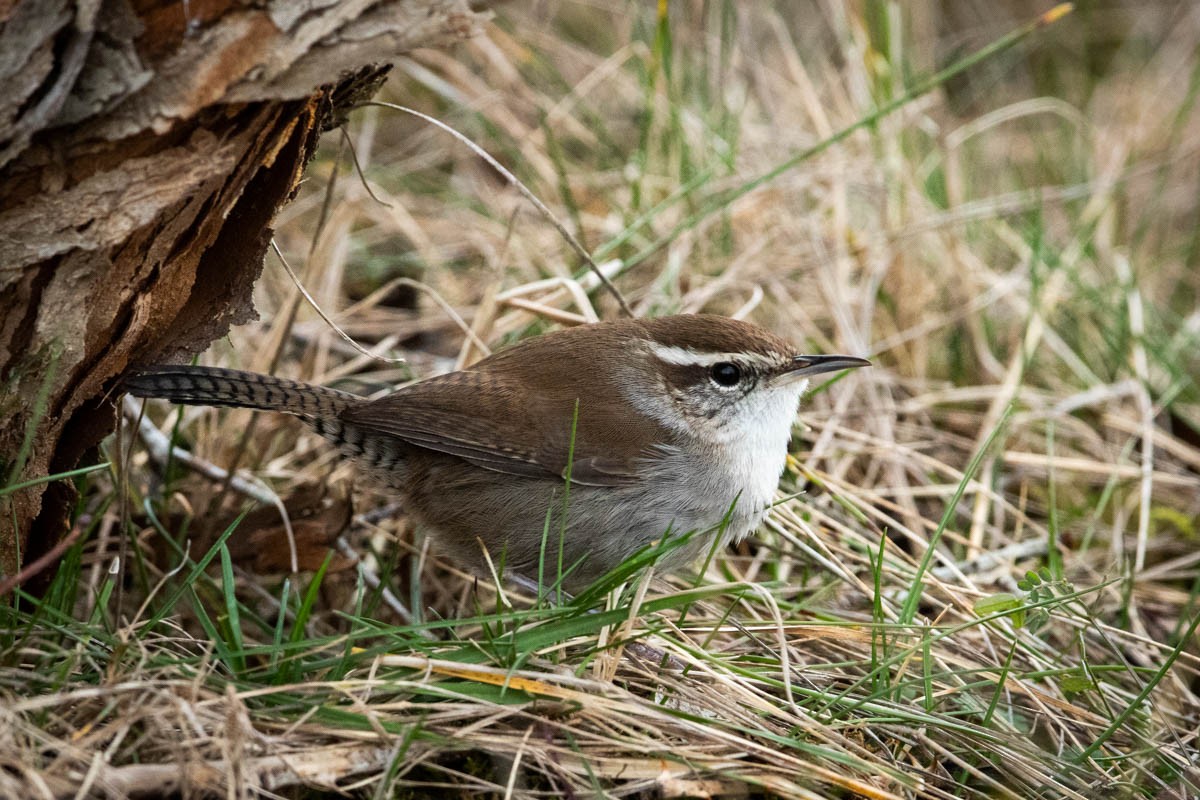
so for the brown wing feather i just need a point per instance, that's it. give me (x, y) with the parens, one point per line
(478, 414)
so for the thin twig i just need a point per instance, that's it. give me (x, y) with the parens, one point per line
(579, 249)
(47, 559)
(329, 321)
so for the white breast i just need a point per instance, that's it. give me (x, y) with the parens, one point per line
(757, 452)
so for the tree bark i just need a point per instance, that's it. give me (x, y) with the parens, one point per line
(144, 150)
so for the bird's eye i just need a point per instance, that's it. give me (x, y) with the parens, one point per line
(725, 374)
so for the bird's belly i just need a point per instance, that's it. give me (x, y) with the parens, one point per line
(519, 520)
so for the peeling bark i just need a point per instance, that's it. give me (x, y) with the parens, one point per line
(143, 155)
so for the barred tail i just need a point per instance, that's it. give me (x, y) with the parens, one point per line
(210, 386)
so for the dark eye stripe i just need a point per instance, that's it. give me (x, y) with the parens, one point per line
(683, 376)
(687, 378)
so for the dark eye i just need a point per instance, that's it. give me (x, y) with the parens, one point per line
(726, 374)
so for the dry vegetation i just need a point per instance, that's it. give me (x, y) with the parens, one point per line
(1017, 251)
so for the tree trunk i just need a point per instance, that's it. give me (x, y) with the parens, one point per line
(144, 150)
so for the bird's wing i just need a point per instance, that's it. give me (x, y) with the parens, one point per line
(481, 420)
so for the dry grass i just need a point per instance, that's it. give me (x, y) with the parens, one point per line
(1017, 250)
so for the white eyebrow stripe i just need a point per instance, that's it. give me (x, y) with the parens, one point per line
(686, 357)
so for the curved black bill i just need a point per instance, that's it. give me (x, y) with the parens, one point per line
(815, 365)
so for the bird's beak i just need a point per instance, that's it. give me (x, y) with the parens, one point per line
(815, 365)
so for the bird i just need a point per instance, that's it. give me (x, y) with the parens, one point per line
(594, 441)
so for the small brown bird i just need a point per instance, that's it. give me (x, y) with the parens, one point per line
(664, 426)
